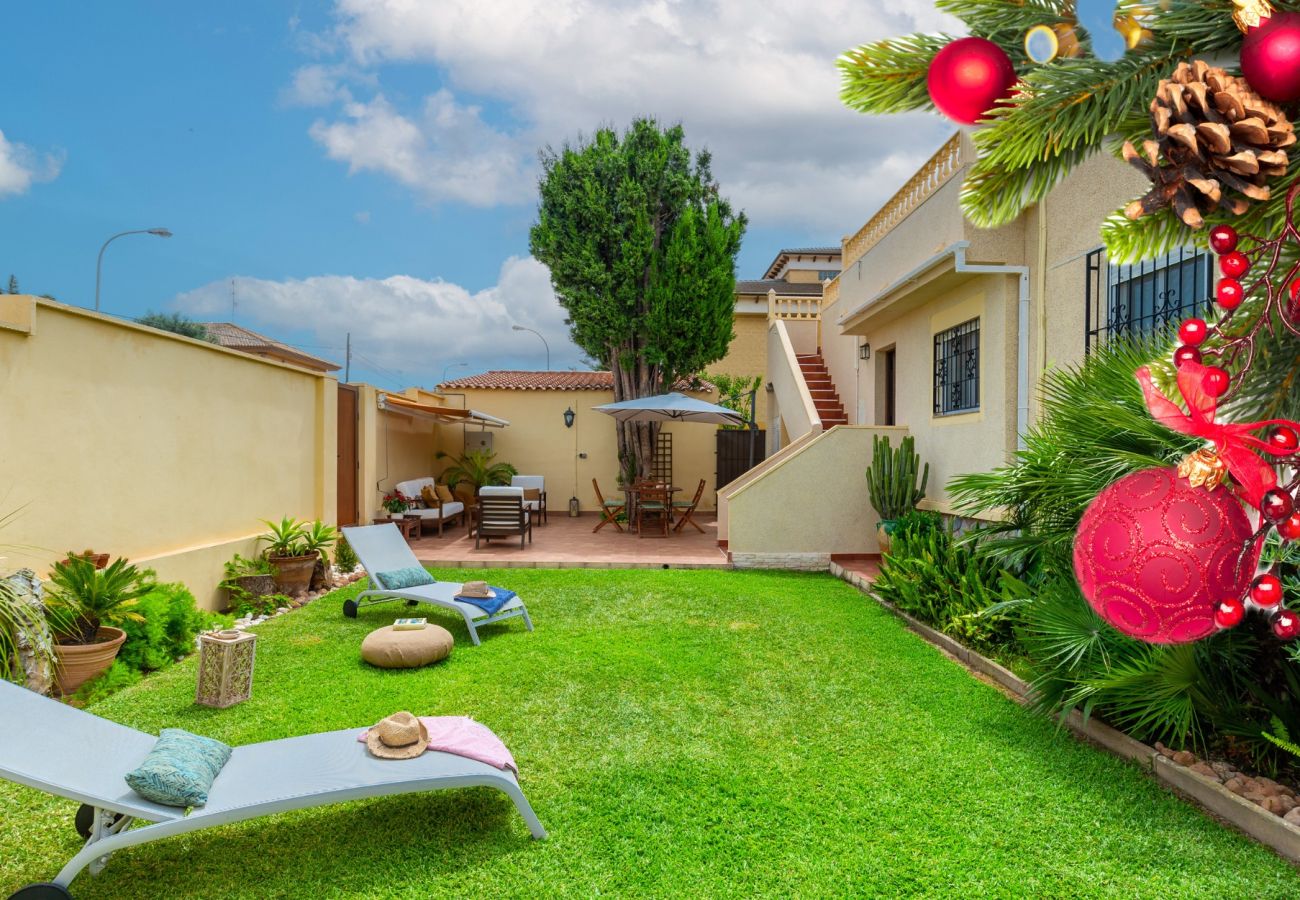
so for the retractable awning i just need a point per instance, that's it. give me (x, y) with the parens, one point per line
(446, 414)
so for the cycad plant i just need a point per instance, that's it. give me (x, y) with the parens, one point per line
(83, 598)
(477, 469)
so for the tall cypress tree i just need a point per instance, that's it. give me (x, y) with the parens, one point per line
(642, 252)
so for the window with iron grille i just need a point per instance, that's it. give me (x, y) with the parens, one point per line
(1144, 297)
(957, 369)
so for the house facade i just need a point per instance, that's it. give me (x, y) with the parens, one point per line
(944, 331)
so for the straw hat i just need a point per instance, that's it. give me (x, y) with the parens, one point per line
(400, 736)
(477, 589)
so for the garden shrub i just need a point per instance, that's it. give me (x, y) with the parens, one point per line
(169, 621)
(344, 557)
(937, 577)
(116, 677)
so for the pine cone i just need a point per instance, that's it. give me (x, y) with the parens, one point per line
(1217, 145)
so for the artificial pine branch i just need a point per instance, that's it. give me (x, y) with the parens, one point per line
(889, 76)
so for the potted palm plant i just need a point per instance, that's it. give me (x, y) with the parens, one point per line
(318, 539)
(891, 483)
(476, 469)
(286, 551)
(85, 605)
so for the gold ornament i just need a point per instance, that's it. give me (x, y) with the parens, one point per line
(1044, 43)
(1250, 14)
(1203, 468)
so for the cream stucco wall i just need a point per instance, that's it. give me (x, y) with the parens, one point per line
(538, 443)
(144, 444)
(392, 447)
(790, 508)
(747, 354)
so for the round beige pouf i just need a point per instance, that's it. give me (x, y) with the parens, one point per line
(389, 649)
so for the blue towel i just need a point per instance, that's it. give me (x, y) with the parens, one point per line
(500, 597)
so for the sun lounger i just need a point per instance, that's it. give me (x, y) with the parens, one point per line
(70, 753)
(382, 549)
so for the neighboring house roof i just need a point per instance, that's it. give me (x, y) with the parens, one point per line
(783, 257)
(515, 380)
(235, 337)
(782, 288)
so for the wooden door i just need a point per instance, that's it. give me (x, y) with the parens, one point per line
(891, 388)
(347, 455)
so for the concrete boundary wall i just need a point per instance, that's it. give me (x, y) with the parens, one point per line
(141, 443)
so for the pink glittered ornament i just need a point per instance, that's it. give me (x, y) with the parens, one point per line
(1154, 556)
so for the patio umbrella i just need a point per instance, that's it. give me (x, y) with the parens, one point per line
(672, 407)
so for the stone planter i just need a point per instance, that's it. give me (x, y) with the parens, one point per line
(78, 663)
(293, 573)
(256, 585)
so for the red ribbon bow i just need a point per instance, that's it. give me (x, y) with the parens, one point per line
(1233, 443)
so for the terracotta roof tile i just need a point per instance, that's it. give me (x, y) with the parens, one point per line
(517, 380)
(236, 337)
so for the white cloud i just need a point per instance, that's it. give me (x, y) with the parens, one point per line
(446, 153)
(21, 167)
(316, 85)
(362, 216)
(403, 323)
(755, 83)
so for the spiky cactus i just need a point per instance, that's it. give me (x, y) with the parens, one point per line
(891, 477)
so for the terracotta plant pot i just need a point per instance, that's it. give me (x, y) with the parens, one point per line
(293, 573)
(78, 663)
(100, 560)
(321, 577)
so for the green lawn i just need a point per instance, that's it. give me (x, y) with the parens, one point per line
(679, 733)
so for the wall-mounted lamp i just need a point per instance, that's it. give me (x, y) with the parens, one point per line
(864, 351)
(568, 417)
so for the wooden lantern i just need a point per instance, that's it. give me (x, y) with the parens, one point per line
(225, 668)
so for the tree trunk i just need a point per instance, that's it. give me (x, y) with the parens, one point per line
(636, 440)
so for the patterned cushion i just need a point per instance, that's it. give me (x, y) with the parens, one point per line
(430, 496)
(179, 769)
(444, 493)
(532, 494)
(397, 579)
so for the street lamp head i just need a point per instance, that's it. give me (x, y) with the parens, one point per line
(161, 232)
(518, 328)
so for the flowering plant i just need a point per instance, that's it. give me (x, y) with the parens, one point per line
(396, 502)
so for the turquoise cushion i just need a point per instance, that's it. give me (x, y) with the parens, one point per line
(179, 769)
(397, 579)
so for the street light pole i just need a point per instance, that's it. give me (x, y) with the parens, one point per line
(544, 344)
(99, 263)
(457, 365)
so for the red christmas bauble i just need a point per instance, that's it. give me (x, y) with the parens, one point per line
(1192, 331)
(1234, 264)
(1270, 58)
(1267, 590)
(1276, 506)
(1186, 354)
(1155, 556)
(1228, 293)
(1285, 624)
(1216, 382)
(1289, 528)
(1229, 613)
(1284, 440)
(1223, 239)
(969, 77)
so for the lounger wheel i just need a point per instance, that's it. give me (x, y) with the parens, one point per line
(412, 602)
(85, 820)
(350, 608)
(44, 891)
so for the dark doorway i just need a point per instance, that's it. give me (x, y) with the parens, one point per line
(734, 453)
(891, 388)
(347, 455)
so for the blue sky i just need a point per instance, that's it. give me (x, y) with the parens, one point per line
(367, 167)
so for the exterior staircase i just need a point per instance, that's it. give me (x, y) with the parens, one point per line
(829, 408)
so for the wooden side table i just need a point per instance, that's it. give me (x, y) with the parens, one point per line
(409, 527)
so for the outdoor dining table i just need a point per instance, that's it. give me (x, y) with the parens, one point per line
(632, 493)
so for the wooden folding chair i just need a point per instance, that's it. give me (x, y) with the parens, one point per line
(684, 509)
(609, 509)
(654, 502)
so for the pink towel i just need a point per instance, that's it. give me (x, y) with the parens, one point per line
(463, 736)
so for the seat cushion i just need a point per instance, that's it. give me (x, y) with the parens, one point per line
(179, 769)
(399, 579)
(389, 649)
(444, 493)
(413, 487)
(448, 510)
